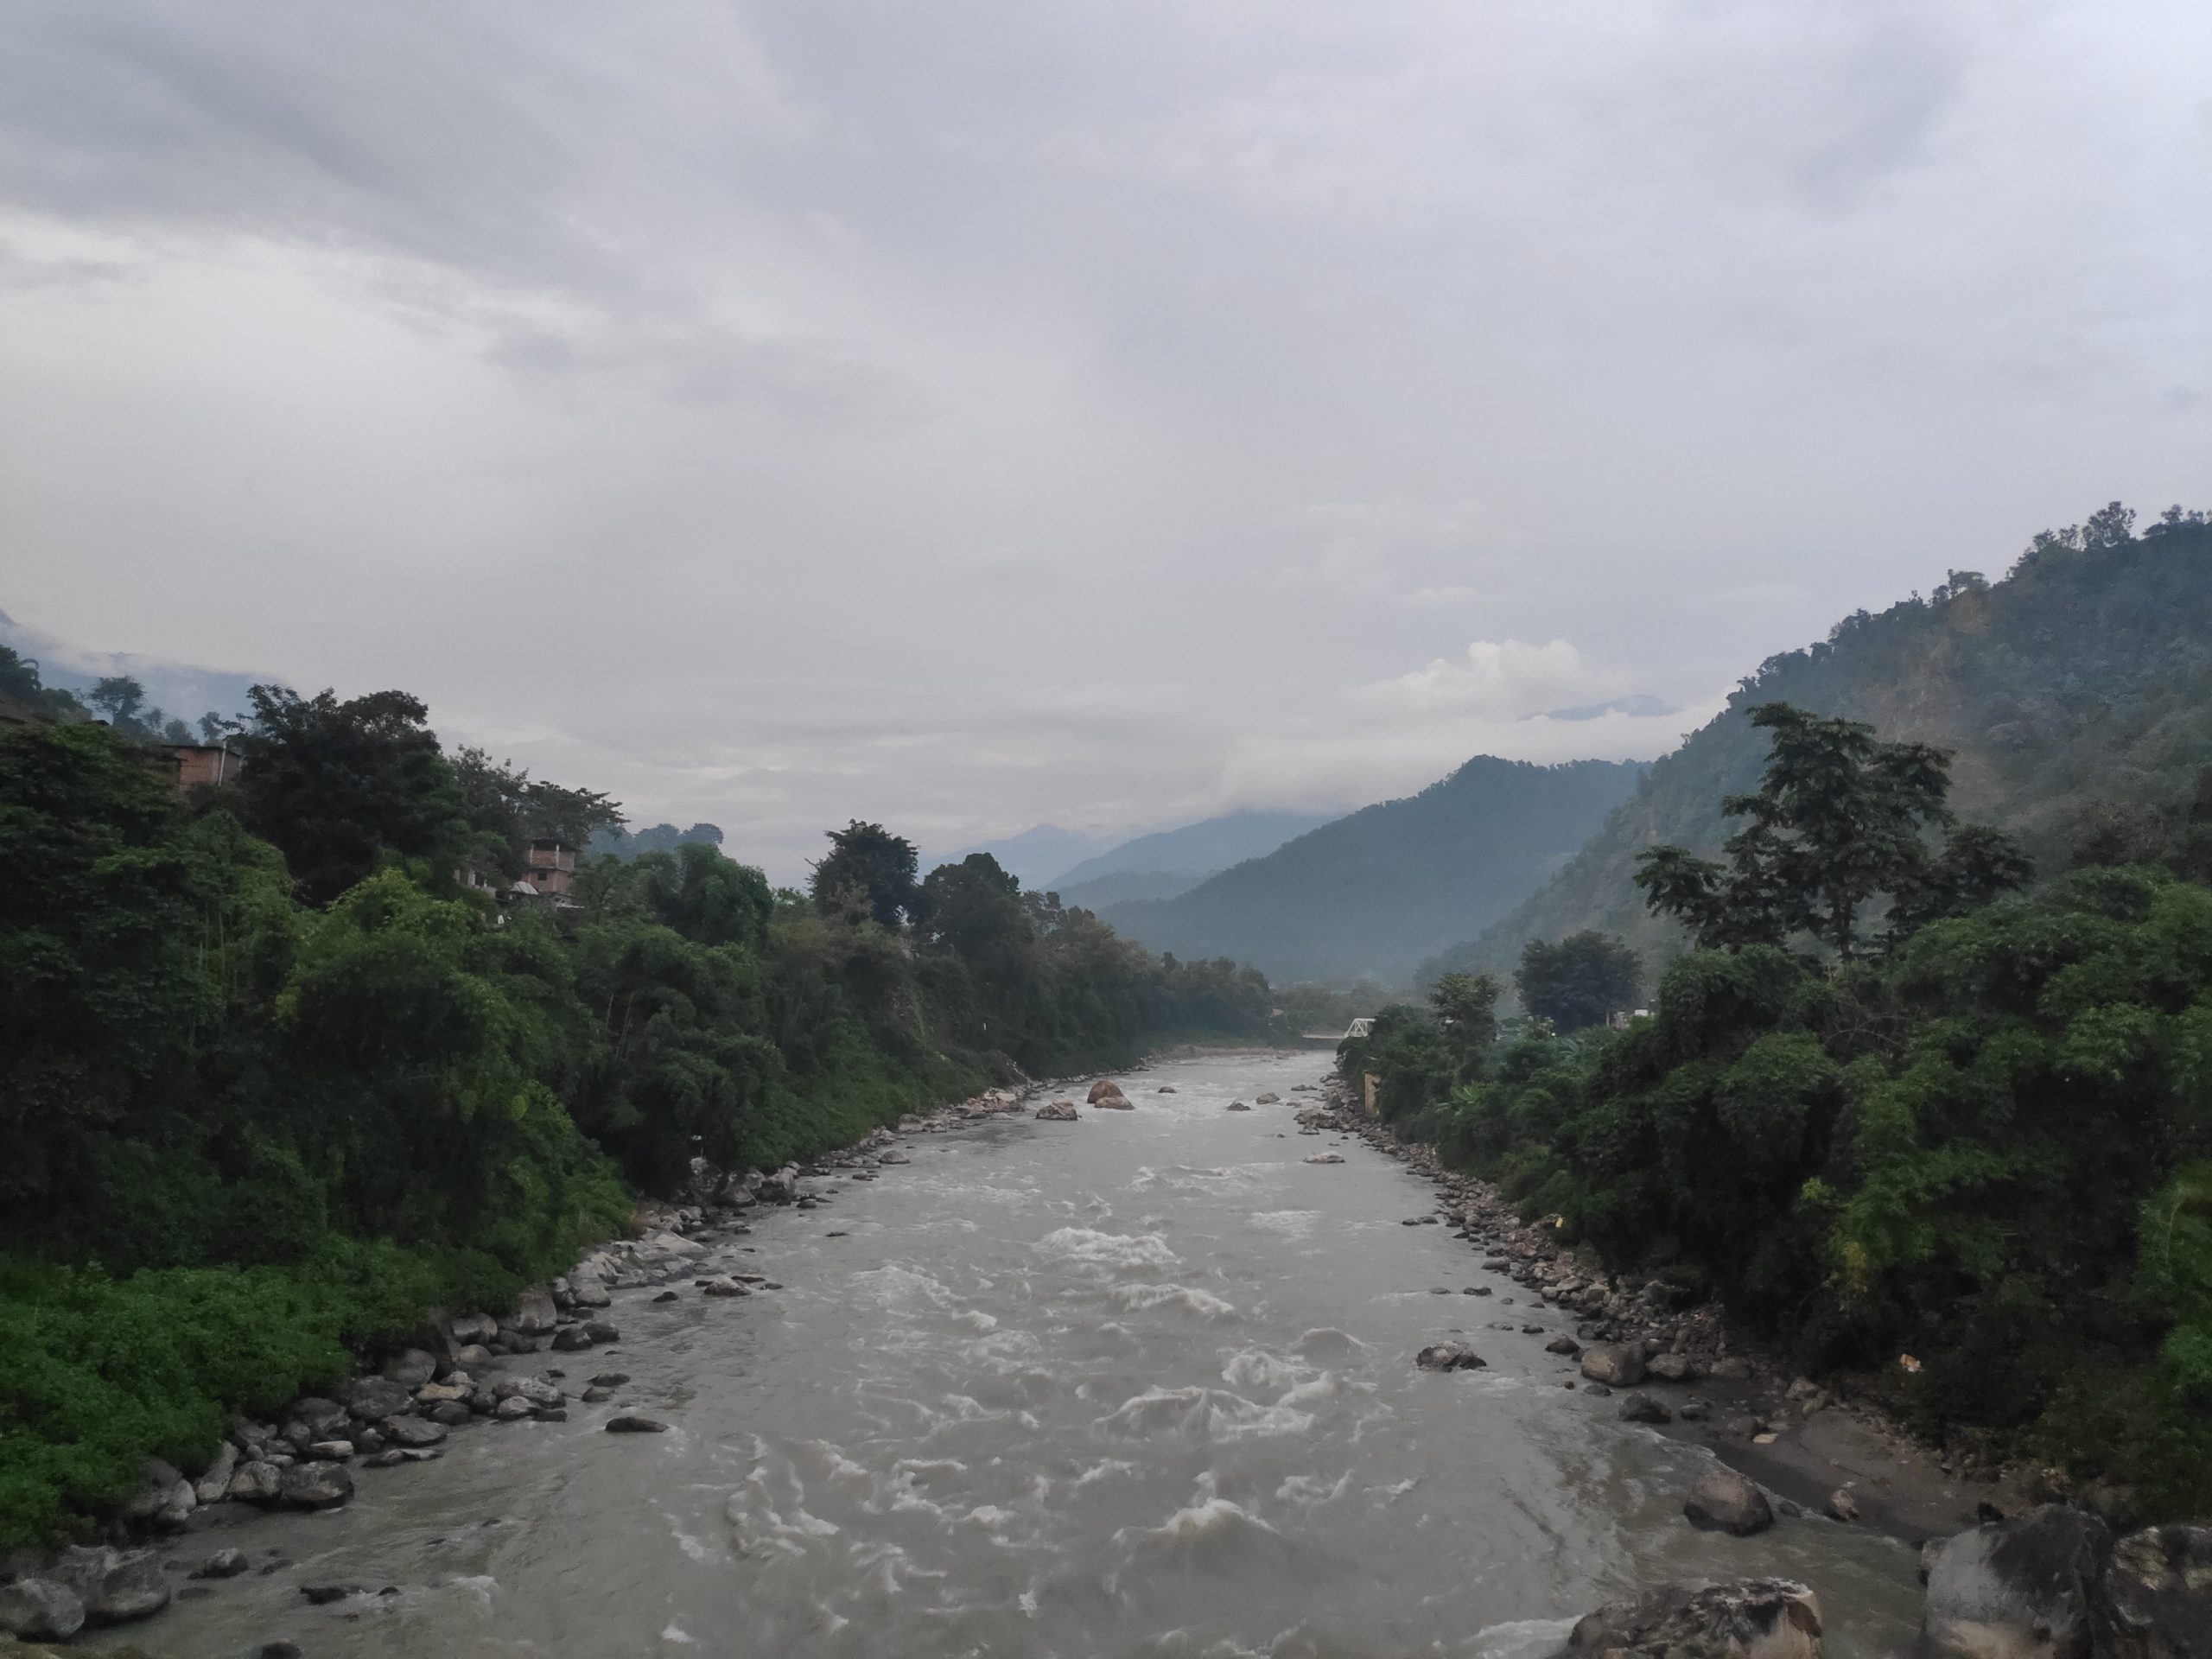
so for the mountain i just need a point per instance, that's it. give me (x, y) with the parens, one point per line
(1033, 856)
(1169, 862)
(1375, 893)
(2076, 694)
(182, 690)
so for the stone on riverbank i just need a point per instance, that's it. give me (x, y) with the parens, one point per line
(1748, 1618)
(1057, 1111)
(2157, 1594)
(1448, 1357)
(410, 1368)
(1725, 1502)
(41, 1610)
(2017, 1589)
(372, 1399)
(256, 1482)
(223, 1564)
(115, 1585)
(1644, 1408)
(534, 1315)
(317, 1485)
(1618, 1365)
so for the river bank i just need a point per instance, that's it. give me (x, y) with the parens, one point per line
(1142, 1382)
(1718, 1387)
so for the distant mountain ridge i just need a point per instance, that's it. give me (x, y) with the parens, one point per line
(1169, 862)
(2076, 695)
(1374, 893)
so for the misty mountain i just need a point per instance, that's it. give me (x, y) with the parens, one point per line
(1375, 893)
(1035, 855)
(183, 690)
(1169, 862)
(2076, 695)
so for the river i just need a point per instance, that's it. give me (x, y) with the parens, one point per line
(1141, 1384)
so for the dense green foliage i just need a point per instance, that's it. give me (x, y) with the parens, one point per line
(1375, 893)
(279, 1070)
(1580, 981)
(1985, 1146)
(2075, 696)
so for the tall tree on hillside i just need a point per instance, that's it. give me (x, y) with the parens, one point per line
(868, 860)
(1578, 982)
(335, 786)
(1840, 819)
(974, 909)
(1466, 1008)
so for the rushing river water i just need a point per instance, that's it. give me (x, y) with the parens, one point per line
(1138, 1385)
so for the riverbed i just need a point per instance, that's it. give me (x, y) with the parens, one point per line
(1141, 1384)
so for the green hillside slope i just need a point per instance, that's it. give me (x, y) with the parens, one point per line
(1375, 893)
(2076, 692)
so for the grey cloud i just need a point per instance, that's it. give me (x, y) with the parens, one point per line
(979, 415)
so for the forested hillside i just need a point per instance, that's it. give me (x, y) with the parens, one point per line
(1954, 1143)
(284, 1061)
(2075, 693)
(1375, 893)
(1171, 862)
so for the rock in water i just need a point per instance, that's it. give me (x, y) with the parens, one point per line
(2157, 1594)
(1448, 1357)
(1725, 1502)
(1619, 1365)
(1644, 1408)
(1057, 1111)
(1268, 1100)
(1565, 1345)
(1238, 1106)
(223, 1564)
(258, 1482)
(413, 1431)
(1748, 1618)
(1102, 1089)
(115, 1585)
(632, 1425)
(2022, 1587)
(40, 1610)
(1325, 1157)
(535, 1314)
(315, 1486)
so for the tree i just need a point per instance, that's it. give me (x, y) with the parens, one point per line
(868, 861)
(1838, 819)
(336, 785)
(1466, 1007)
(1578, 982)
(974, 909)
(120, 698)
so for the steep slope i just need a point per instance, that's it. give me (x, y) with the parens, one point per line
(1375, 893)
(2076, 695)
(1195, 851)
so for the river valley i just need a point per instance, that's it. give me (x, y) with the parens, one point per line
(1141, 1384)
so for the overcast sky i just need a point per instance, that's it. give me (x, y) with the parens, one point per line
(967, 414)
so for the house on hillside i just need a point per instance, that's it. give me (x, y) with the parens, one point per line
(203, 763)
(549, 868)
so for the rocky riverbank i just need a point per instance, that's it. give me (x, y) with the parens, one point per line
(458, 1372)
(2007, 1577)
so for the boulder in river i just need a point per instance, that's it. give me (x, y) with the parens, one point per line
(1725, 1502)
(1618, 1365)
(1268, 1100)
(115, 1585)
(635, 1425)
(2019, 1589)
(1102, 1089)
(317, 1485)
(1326, 1158)
(1057, 1111)
(1644, 1408)
(535, 1314)
(1747, 1618)
(1448, 1357)
(413, 1431)
(257, 1481)
(725, 1287)
(1672, 1368)
(2157, 1595)
(1563, 1344)
(472, 1328)
(41, 1610)
(1238, 1106)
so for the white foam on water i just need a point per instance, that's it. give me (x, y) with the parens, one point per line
(1399, 1488)
(1199, 1413)
(1307, 1491)
(1104, 1470)
(1108, 1250)
(975, 1319)
(1288, 1223)
(1520, 1638)
(1255, 1368)
(671, 1632)
(1325, 1342)
(1142, 1299)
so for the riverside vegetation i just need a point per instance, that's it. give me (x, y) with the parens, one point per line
(1909, 1116)
(278, 1072)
